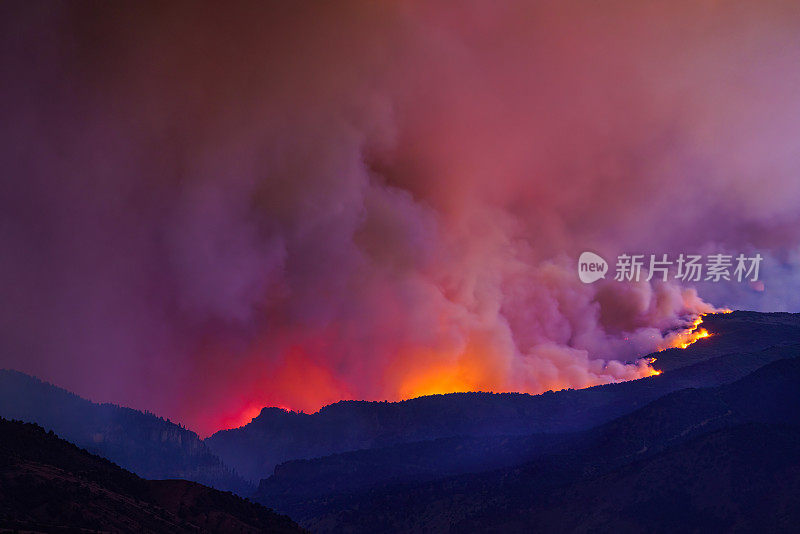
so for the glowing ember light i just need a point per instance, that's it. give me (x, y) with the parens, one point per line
(420, 376)
(651, 370)
(436, 380)
(687, 336)
(695, 336)
(241, 418)
(684, 338)
(421, 372)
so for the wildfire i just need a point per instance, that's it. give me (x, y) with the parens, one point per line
(695, 336)
(651, 371)
(417, 373)
(436, 379)
(469, 372)
(683, 338)
(688, 335)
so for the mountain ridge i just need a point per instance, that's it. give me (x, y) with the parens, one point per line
(48, 484)
(142, 442)
(764, 404)
(276, 436)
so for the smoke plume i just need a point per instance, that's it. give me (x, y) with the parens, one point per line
(209, 208)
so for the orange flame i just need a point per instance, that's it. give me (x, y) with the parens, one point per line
(689, 335)
(651, 371)
(418, 372)
(469, 370)
(685, 337)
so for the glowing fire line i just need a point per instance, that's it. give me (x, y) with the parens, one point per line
(685, 338)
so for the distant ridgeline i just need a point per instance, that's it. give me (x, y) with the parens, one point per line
(723, 459)
(740, 343)
(469, 462)
(150, 446)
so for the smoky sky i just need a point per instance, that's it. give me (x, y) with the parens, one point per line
(212, 207)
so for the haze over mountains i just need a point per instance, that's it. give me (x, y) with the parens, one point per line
(710, 443)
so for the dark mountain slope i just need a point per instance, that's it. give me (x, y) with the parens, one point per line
(744, 478)
(149, 446)
(49, 485)
(740, 331)
(299, 480)
(276, 436)
(740, 479)
(769, 398)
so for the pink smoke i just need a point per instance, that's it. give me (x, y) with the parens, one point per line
(211, 208)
